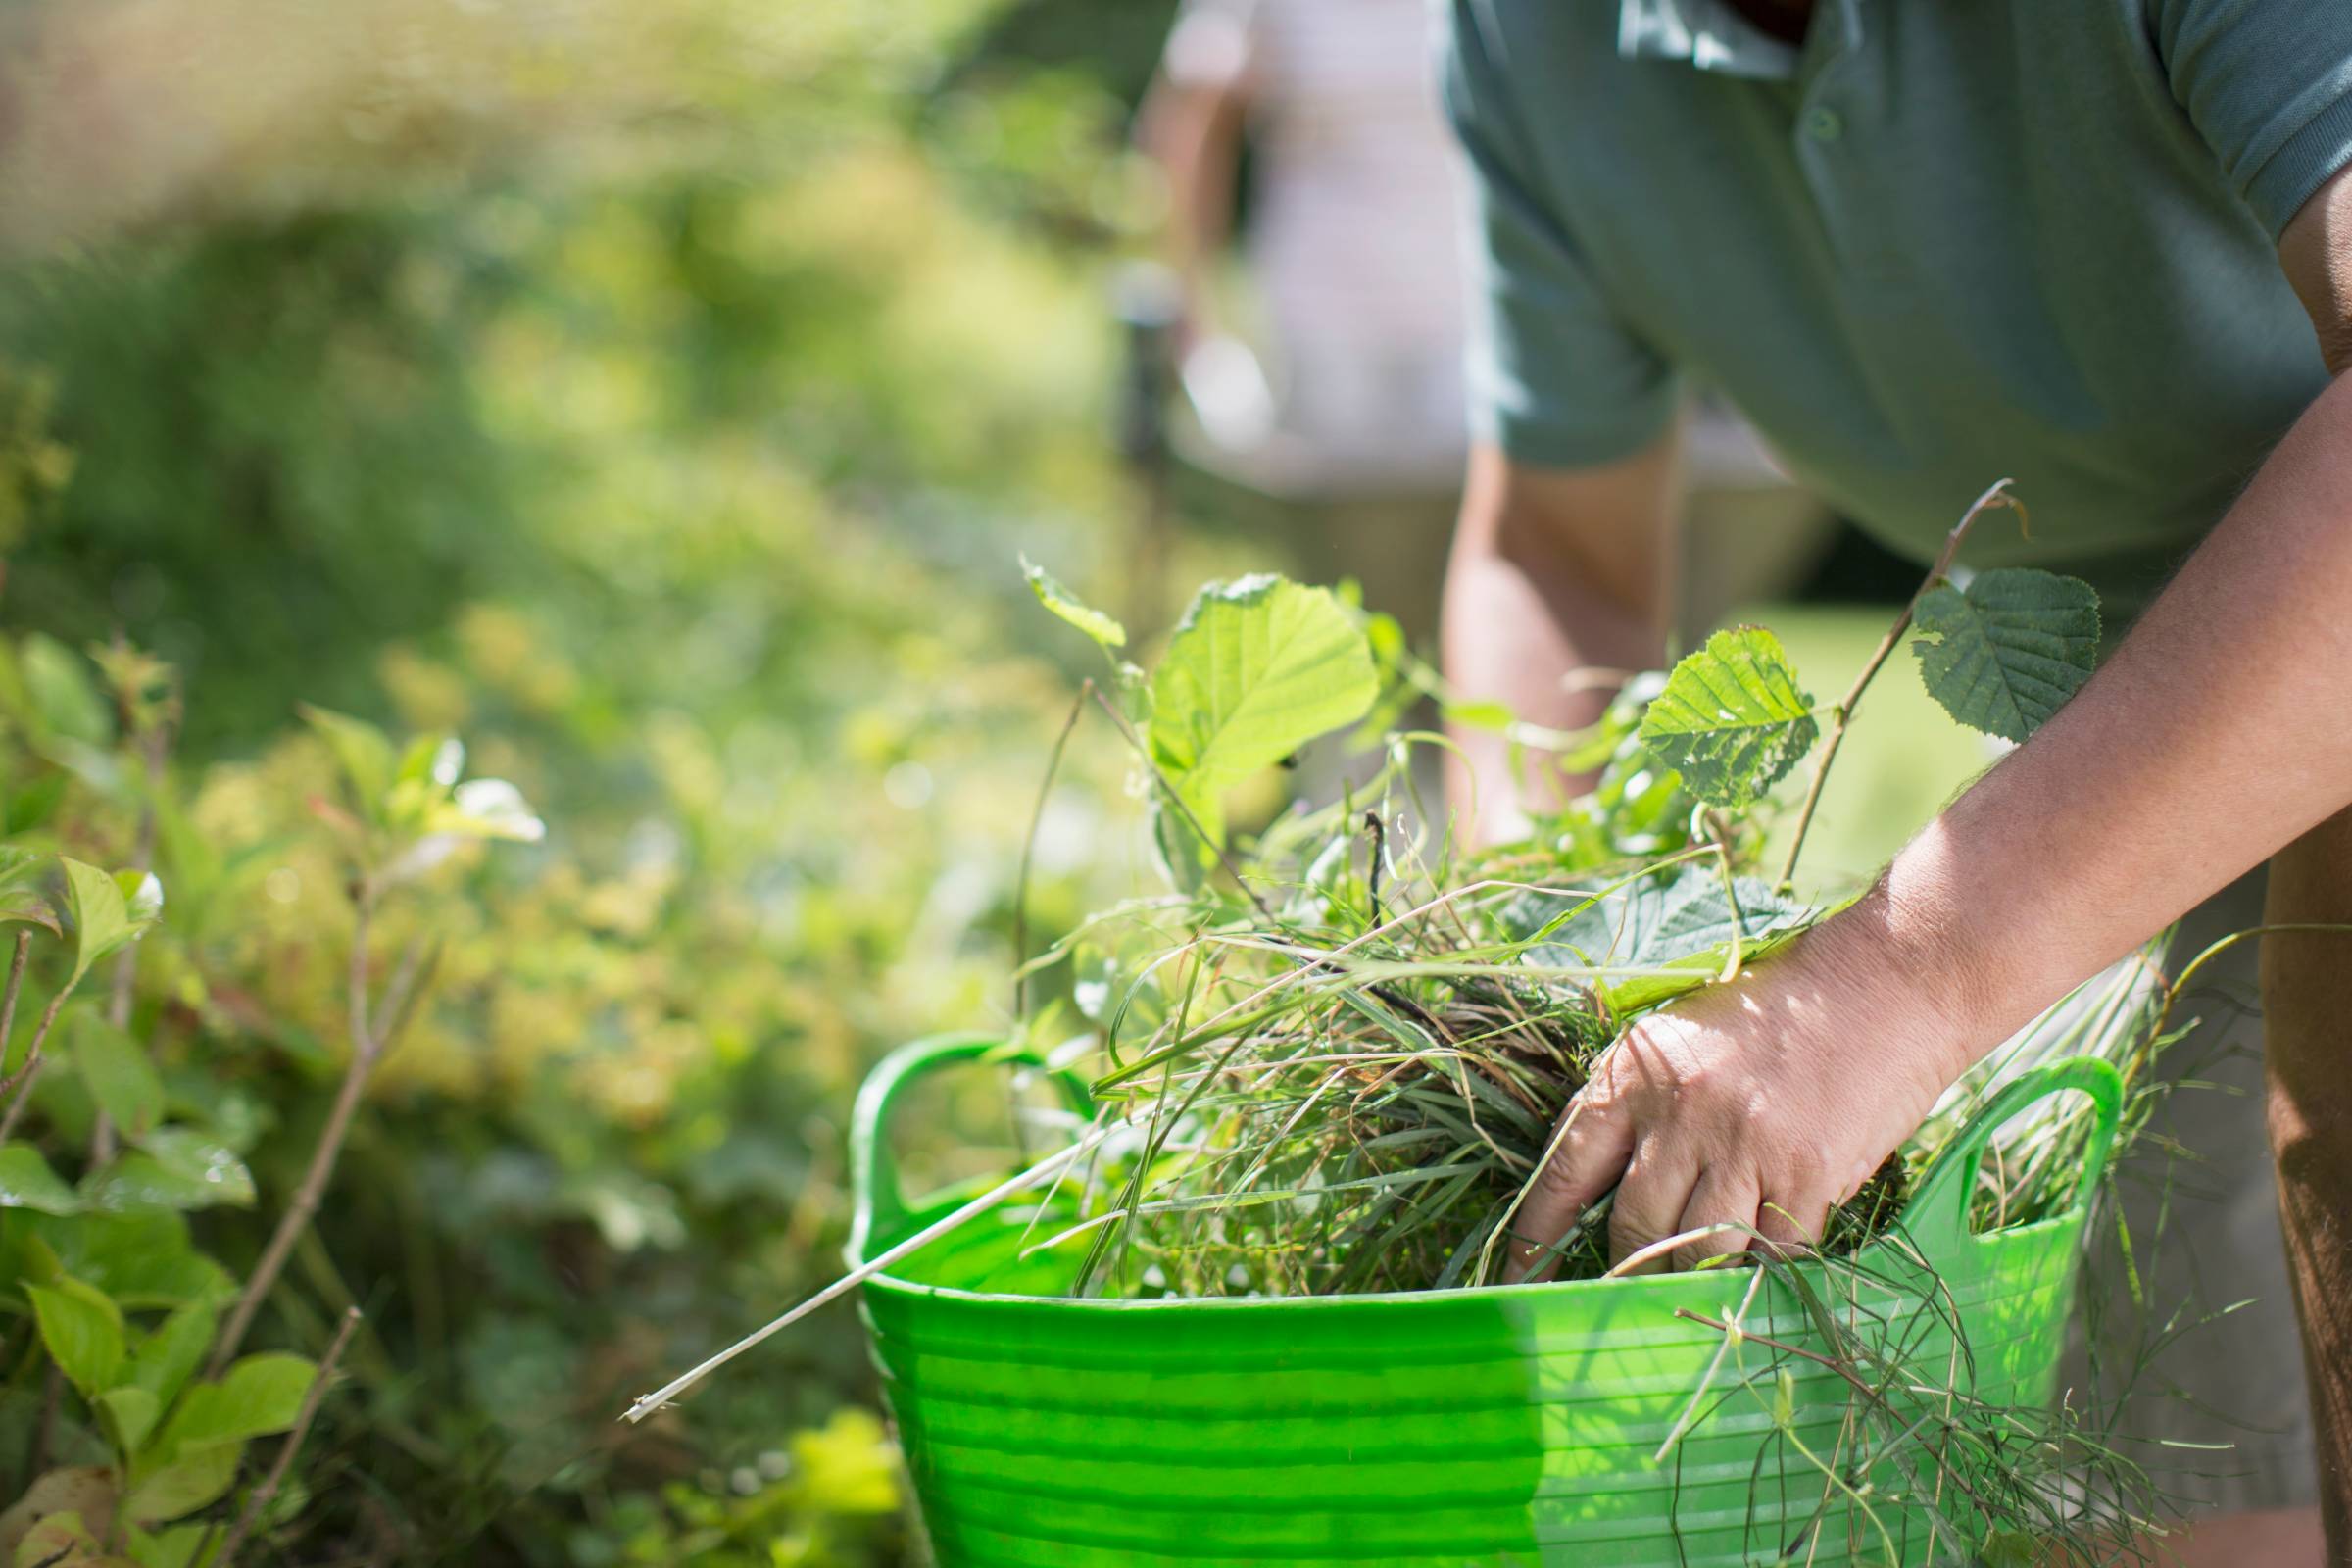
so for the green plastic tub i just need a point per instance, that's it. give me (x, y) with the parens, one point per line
(1507, 1425)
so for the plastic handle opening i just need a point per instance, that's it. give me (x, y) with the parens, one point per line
(1937, 1215)
(879, 1201)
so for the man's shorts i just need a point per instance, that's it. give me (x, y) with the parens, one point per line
(2204, 1229)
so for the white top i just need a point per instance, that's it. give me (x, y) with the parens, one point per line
(1353, 249)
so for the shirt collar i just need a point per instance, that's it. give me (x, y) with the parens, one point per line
(1708, 35)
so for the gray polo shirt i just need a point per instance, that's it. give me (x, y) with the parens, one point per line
(1944, 242)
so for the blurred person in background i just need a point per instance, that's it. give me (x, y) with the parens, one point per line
(1335, 385)
(2106, 250)
(1351, 404)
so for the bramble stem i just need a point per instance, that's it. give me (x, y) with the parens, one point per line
(311, 1398)
(1843, 713)
(154, 749)
(369, 1041)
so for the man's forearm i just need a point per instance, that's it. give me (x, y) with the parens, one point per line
(2220, 730)
(1529, 608)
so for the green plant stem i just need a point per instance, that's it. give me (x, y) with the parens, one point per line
(21, 1082)
(1843, 713)
(1020, 881)
(16, 987)
(312, 1398)
(1265, 912)
(154, 749)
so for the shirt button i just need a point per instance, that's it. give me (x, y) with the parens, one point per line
(1825, 125)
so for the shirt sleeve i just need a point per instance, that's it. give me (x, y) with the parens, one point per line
(2268, 84)
(1554, 375)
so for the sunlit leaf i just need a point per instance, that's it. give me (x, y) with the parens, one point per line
(2002, 655)
(167, 1359)
(197, 1476)
(362, 750)
(1058, 598)
(491, 808)
(130, 1413)
(64, 701)
(174, 1168)
(259, 1394)
(110, 912)
(83, 1330)
(1731, 719)
(435, 760)
(1258, 668)
(28, 1182)
(20, 900)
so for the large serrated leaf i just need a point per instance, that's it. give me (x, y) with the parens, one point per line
(1731, 719)
(1258, 667)
(1652, 922)
(2002, 655)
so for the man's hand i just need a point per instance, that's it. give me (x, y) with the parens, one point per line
(1758, 1105)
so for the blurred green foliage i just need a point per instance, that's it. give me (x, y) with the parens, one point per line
(670, 432)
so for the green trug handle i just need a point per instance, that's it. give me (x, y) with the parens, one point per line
(1937, 1215)
(880, 1205)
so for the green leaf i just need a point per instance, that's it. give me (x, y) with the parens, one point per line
(261, 1395)
(64, 700)
(173, 1168)
(28, 1182)
(167, 1358)
(118, 1075)
(438, 761)
(2004, 653)
(83, 1331)
(142, 896)
(1258, 668)
(176, 1548)
(195, 1477)
(101, 918)
(20, 900)
(1732, 721)
(362, 750)
(490, 809)
(1070, 607)
(110, 912)
(144, 1262)
(128, 1413)
(1653, 921)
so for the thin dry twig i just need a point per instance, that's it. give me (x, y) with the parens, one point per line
(1051, 1165)
(311, 1398)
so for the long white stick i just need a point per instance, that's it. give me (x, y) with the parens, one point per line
(857, 1276)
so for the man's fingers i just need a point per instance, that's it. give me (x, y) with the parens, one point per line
(1721, 1197)
(1590, 1150)
(1792, 1221)
(1655, 1191)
